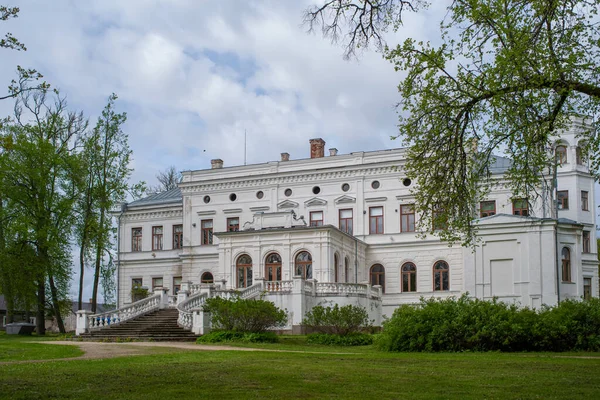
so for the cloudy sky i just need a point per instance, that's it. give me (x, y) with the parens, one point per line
(194, 75)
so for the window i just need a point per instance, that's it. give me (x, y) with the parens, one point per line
(585, 205)
(288, 192)
(244, 271)
(561, 154)
(206, 199)
(233, 224)
(316, 190)
(586, 241)
(377, 274)
(409, 277)
(563, 199)
(303, 265)
(587, 288)
(273, 267)
(407, 218)
(520, 207)
(157, 283)
(177, 236)
(441, 278)
(136, 283)
(346, 221)
(136, 239)
(440, 219)
(579, 156)
(336, 268)
(375, 184)
(176, 284)
(345, 187)
(406, 181)
(233, 197)
(207, 231)
(157, 238)
(347, 269)
(375, 220)
(207, 277)
(487, 208)
(316, 218)
(260, 194)
(566, 264)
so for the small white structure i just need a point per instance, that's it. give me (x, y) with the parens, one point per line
(341, 229)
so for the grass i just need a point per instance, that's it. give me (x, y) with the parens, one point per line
(247, 375)
(21, 348)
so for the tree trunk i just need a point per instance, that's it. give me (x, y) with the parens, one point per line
(99, 248)
(40, 319)
(56, 305)
(81, 269)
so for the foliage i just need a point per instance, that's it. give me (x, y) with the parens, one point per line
(244, 315)
(337, 320)
(506, 74)
(351, 339)
(167, 180)
(233, 336)
(467, 324)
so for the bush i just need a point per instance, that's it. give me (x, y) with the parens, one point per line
(466, 324)
(244, 337)
(337, 320)
(353, 339)
(244, 315)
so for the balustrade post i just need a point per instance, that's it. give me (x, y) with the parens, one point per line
(184, 292)
(83, 324)
(164, 297)
(314, 287)
(261, 282)
(379, 289)
(298, 303)
(200, 322)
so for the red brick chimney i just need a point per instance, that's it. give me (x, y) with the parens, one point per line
(317, 148)
(285, 156)
(216, 163)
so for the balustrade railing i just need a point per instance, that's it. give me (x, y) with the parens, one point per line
(308, 287)
(144, 306)
(279, 286)
(251, 291)
(375, 292)
(185, 319)
(338, 288)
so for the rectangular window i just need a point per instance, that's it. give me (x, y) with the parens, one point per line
(585, 205)
(157, 238)
(587, 288)
(177, 236)
(136, 283)
(407, 218)
(586, 241)
(233, 224)
(136, 239)
(487, 208)
(207, 231)
(316, 218)
(176, 284)
(157, 283)
(563, 199)
(346, 221)
(375, 220)
(520, 207)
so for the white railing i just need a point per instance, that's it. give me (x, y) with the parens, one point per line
(251, 291)
(279, 286)
(375, 292)
(341, 289)
(185, 319)
(141, 307)
(308, 287)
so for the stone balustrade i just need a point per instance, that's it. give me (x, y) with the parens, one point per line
(141, 307)
(185, 308)
(342, 289)
(279, 286)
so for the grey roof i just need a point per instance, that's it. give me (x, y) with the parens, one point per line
(170, 196)
(499, 164)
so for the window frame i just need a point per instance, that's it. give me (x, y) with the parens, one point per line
(587, 288)
(273, 267)
(206, 234)
(566, 265)
(233, 227)
(377, 277)
(177, 286)
(411, 281)
(316, 222)
(246, 269)
(585, 200)
(520, 209)
(204, 280)
(136, 240)
(562, 198)
(408, 218)
(487, 213)
(561, 155)
(303, 268)
(133, 286)
(157, 238)
(155, 286)
(586, 242)
(346, 224)
(441, 272)
(376, 221)
(177, 237)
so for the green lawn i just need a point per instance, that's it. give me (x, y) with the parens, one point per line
(369, 374)
(20, 348)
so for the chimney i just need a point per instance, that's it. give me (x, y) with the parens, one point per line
(333, 151)
(216, 163)
(285, 156)
(317, 148)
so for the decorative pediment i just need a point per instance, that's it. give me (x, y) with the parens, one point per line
(315, 201)
(345, 200)
(287, 204)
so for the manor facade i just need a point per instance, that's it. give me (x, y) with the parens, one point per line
(342, 228)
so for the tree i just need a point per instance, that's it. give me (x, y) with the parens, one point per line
(167, 180)
(508, 74)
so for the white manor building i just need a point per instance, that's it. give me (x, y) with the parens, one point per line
(341, 228)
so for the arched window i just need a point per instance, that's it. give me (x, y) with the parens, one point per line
(378, 276)
(409, 277)
(580, 153)
(303, 265)
(441, 276)
(244, 271)
(566, 264)
(207, 277)
(347, 269)
(273, 267)
(336, 268)
(561, 154)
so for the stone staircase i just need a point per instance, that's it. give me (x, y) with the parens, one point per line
(156, 326)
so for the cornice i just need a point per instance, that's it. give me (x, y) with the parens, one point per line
(136, 216)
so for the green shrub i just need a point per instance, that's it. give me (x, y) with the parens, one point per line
(244, 337)
(244, 315)
(337, 320)
(352, 339)
(467, 324)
